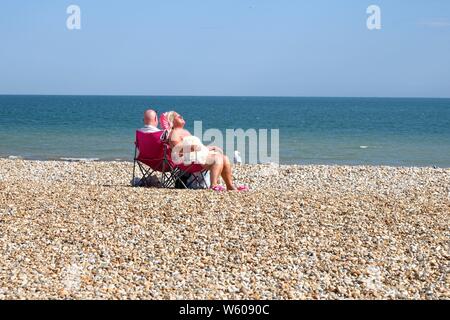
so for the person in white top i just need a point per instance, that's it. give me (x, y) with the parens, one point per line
(150, 122)
(211, 158)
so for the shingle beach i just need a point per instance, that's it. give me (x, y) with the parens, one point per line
(72, 230)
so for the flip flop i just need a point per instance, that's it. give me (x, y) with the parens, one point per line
(218, 188)
(243, 188)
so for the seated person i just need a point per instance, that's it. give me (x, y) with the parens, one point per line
(210, 158)
(150, 122)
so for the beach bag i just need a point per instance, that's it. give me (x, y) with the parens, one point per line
(196, 181)
(150, 181)
(182, 181)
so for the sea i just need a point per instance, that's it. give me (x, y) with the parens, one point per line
(336, 131)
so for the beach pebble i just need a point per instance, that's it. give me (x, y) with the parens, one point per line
(78, 230)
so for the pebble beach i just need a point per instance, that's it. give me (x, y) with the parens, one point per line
(78, 230)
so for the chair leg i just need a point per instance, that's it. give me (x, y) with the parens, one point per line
(168, 180)
(204, 178)
(146, 173)
(134, 171)
(134, 163)
(172, 178)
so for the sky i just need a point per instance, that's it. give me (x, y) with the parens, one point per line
(226, 48)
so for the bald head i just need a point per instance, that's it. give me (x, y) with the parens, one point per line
(150, 118)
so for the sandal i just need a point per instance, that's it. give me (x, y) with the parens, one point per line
(218, 188)
(243, 188)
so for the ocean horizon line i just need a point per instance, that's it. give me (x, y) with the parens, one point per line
(219, 96)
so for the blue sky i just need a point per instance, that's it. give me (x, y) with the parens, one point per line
(226, 47)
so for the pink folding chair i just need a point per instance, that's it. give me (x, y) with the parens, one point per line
(152, 155)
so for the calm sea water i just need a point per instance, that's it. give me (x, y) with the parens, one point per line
(402, 132)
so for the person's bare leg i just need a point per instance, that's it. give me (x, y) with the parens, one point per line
(227, 174)
(215, 168)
